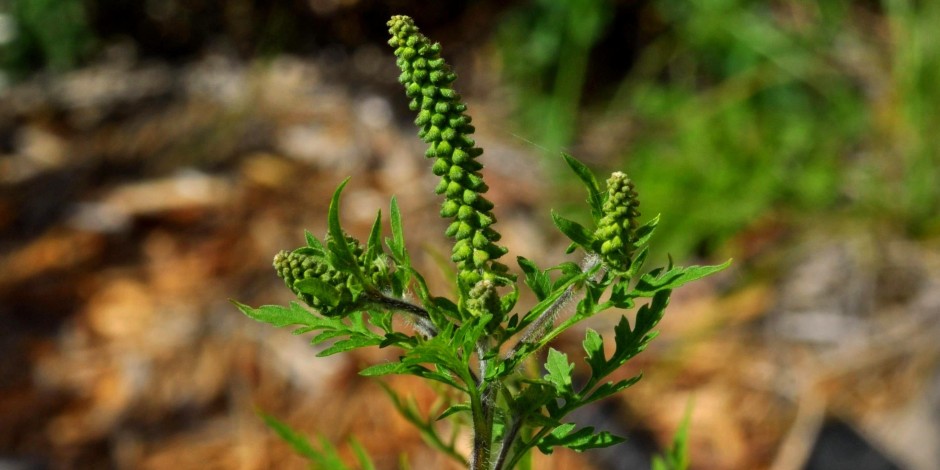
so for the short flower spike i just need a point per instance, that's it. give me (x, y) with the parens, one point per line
(616, 231)
(309, 263)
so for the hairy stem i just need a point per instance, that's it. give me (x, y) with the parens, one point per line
(537, 329)
(421, 317)
(482, 431)
(508, 439)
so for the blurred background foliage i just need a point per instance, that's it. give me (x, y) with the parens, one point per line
(730, 114)
(43, 33)
(739, 112)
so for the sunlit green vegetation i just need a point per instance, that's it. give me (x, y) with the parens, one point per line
(741, 110)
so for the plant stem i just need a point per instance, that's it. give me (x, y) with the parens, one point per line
(482, 431)
(422, 318)
(508, 439)
(536, 331)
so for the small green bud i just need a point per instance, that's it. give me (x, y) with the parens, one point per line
(456, 173)
(444, 149)
(480, 240)
(432, 135)
(465, 212)
(441, 167)
(423, 117)
(475, 182)
(480, 257)
(453, 189)
(458, 121)
(462, 251)
(452, 229)
(483, 204)
(470, 197)
(450, 208)
(491, 235)
(460, 157)
(470, 277)
(464, 230)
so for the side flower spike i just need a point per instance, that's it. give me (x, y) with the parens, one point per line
(616, 230)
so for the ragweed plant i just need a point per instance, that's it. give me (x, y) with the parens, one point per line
(476, 344)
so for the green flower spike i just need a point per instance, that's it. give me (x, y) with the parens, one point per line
(311, 276)
(447, 130)
(483, 299)
(616, 231)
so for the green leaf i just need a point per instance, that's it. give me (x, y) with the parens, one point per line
(645, 231)
(594, 347)
(579, 441)
(446, 307)
(620, 294)
(573, 230)
(595, 200)
(536, 279)
(278, 315)
(452, 409)
(677, 456)
(374, 245)
(325, 457)
(319, 289)
(385, 368)
(624, 340)
(341, 255)
(609, 388)
(508, 301)
(655, 281)
(397, 242)
(559, 371)
(439, 352)
(313, 242)
(328, 335)
(569, 271)
(365, 462)
(638, 261)
(650, 314)
(533, 397)
(401, 340)
(350, 344)
(587, 306)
